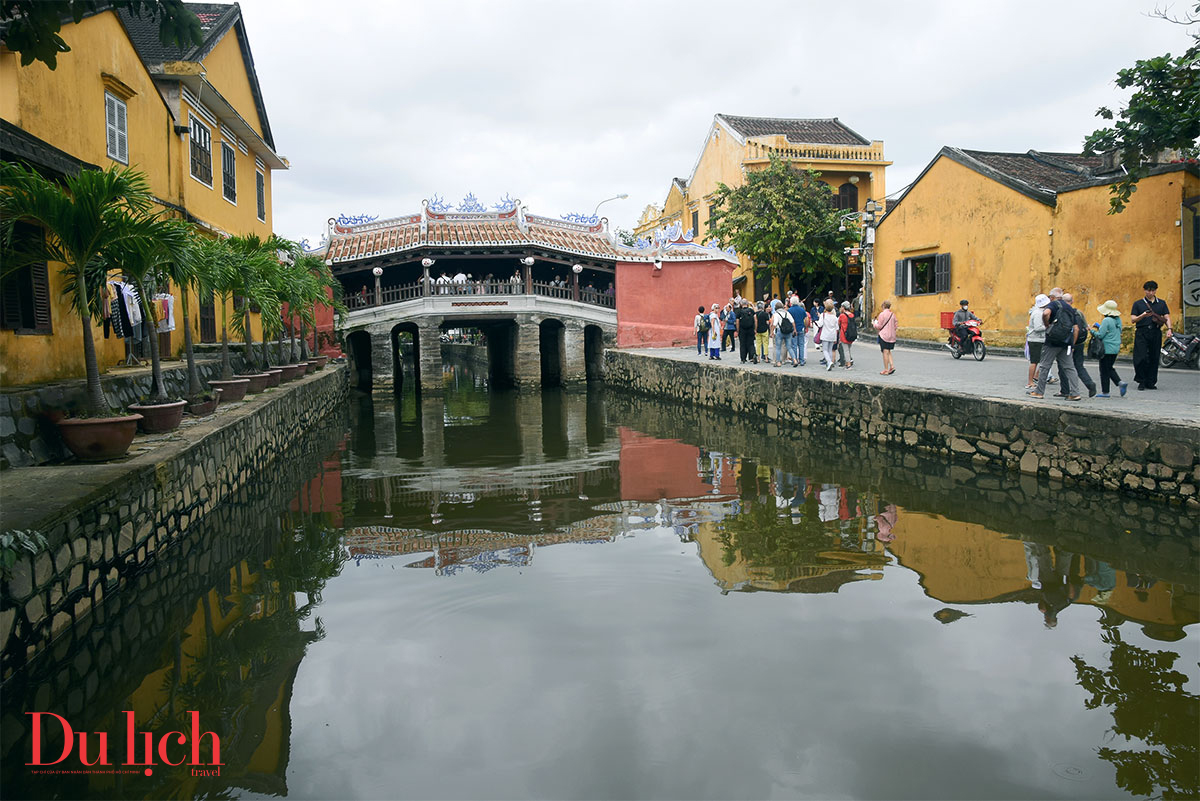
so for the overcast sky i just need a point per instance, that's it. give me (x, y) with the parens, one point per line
(563, 104)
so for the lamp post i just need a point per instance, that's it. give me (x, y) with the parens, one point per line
(602, 202)
(378, 271)
(867, 246)
(426, 263)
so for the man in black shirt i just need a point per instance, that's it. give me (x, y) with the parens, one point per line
(1149, 315)
(745, 336)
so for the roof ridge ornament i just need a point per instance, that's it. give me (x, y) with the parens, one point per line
(471, 205)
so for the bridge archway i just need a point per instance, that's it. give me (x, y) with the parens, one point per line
(593, 352)
(406, 354)
(552, 351)
(359, 343)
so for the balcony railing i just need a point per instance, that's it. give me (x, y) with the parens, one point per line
(366, 298)
(758, 151)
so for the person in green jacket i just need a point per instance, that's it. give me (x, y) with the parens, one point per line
(1108, 331)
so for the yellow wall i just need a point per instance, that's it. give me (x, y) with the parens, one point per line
(722, 160)
(65, 108)
(1002, 252)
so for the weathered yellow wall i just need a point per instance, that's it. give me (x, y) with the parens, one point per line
(1097, 255)
(998, 244)
(227, 72)
(65, 107)
(721, 161)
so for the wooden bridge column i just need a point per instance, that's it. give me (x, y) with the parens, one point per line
(429, 333)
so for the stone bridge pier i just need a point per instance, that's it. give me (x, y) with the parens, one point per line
(527, 348)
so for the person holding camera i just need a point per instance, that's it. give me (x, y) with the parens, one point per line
(1150, 314)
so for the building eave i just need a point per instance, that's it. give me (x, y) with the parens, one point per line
(197, 84)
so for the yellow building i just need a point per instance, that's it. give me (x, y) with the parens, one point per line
(852, 166)
(193, 121)
(998, 228)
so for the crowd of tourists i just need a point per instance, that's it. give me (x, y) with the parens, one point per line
(1058, 335)
(780, 331)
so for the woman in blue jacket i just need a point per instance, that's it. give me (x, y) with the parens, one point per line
(1108, 331)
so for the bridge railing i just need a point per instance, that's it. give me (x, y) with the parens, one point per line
(387, 295)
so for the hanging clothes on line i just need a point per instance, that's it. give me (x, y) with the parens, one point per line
(117, 316)
(133, 310)
(165, 307)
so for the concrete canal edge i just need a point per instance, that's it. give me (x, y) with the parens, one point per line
(107, 523)
(1107, 451)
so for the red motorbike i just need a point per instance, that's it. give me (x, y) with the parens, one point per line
(970, 341)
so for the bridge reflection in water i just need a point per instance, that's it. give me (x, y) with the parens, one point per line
(277, 620)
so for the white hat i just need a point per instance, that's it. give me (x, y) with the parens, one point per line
(1041, 301)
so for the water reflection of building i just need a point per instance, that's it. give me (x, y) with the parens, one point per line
(963, 563)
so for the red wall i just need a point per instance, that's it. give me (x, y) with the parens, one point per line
(656, 308)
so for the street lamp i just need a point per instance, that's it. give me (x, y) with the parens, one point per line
(602, 202)
(378, 271)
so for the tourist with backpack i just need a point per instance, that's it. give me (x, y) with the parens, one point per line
(1061, 333)
(782, 328)
(701, 326)
(745, 332)
(714, 332)
(847, 333)
(762, 325)
(1079, 351)
(729, 316)
(827, 335)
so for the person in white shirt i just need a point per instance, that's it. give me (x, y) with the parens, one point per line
(827, 325)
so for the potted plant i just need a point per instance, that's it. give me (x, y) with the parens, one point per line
(256, 265)
(186, 273)
(143, 259)
(214, 261)
(80, 220)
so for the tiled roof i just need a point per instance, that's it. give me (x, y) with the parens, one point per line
(215, 19)
(816, 131)
(1036, 170)
(490, 230)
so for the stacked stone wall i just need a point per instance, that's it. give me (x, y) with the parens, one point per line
(27, 433)
(107, 533)
(1135, 456)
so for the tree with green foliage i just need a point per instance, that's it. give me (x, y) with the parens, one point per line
(256, 265)
(783, 218)
(80, 221)
(30, 28)
(1162, 115)
(186, 273)
(1152, 712)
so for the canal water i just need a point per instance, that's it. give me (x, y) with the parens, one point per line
(599, 596)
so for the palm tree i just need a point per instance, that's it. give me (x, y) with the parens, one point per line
(256, 263)
(214, 262)
(187, 274)
(82, 219)
(145, 261)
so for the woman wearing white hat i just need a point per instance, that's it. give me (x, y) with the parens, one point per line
(1108, 331)
(1035, 337)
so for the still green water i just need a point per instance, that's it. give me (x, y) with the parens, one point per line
(589, 596)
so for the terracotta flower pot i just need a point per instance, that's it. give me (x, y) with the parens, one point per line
(258, 382)
(319, 361)
(95, 439)
(204, 408)
(276, 376)
(233, 390)
(291, 371)
(159, 418)
(309, 367)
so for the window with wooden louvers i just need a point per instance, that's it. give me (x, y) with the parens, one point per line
(117, 128)
(25, 293)
(941, 272)
(260, 189)
(228, 172)
(201, 152)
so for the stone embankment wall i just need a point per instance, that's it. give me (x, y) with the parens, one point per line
(108, 523)
(1104, 450)
(29, 437)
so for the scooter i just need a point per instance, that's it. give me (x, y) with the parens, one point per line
(974, 342)
(1180, 349)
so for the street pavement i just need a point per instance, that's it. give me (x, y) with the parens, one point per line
(1177, 398)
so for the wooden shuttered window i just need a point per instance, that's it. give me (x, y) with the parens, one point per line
(228, 172)
(901, 277)
(201, 152)
(116, 128)
(260, 191)
(25, 300)
(941, 272)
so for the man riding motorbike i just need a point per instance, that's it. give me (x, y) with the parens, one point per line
(961, 318)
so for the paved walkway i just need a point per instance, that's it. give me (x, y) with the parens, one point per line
(1177, 398)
